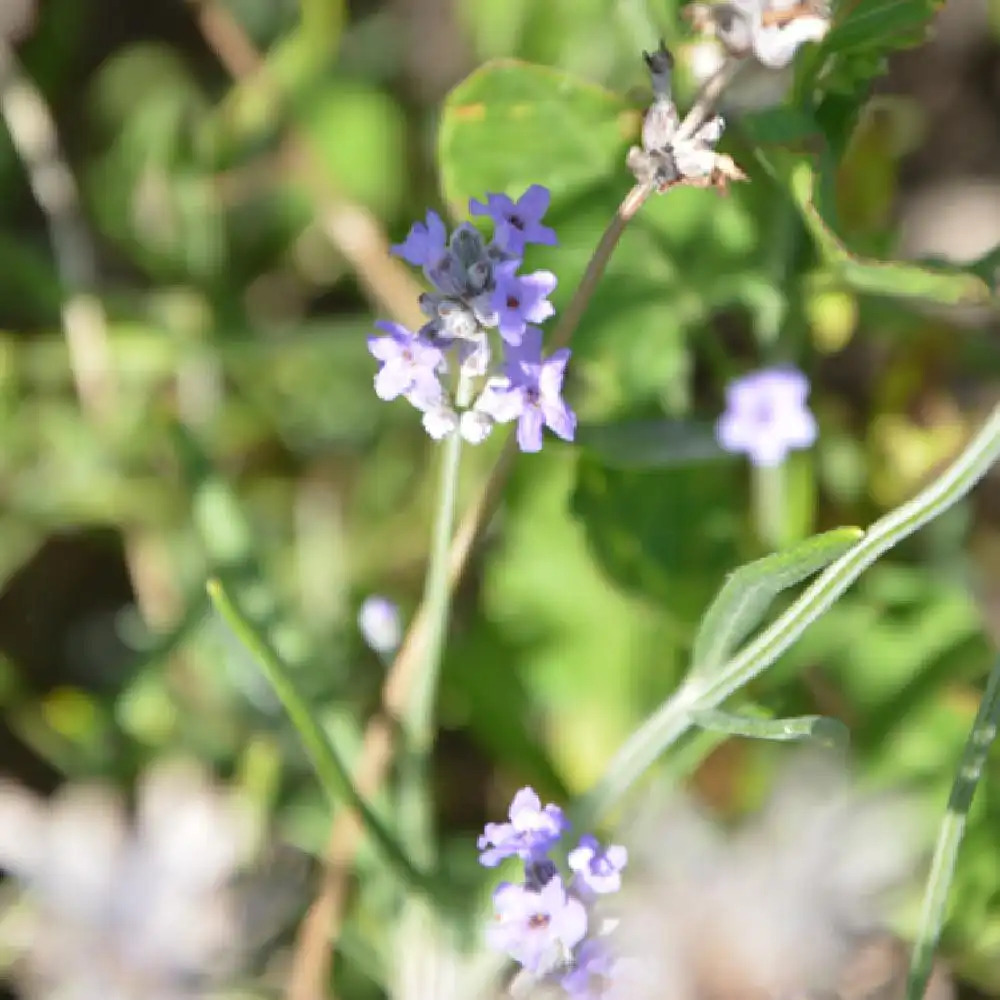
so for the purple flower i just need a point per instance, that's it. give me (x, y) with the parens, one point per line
(591, 973)
(521, 299)
(517, 223)
(598, 870)
(425, 243)
(531, 393)
(530, 833)
(766, 415)
(539, 928)
(409, 366)
(378, 622)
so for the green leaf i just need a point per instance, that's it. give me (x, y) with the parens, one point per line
(814, 728)
(941, 285)
(667, 533)
(511, 124)
(639, 444)
(330, 768)
(749, 591)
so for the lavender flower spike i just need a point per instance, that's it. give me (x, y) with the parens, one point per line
(520, 300)
(531, 393)
(538, 929)
(766, 416)
(531, 832)
(517, 223)
(409, 366)
(598, 870)
(425, 243)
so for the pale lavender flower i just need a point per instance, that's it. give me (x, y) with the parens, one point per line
(530, 834)
(517, 223)
(409, 366)
(592, 971)
(598, 870)
(425, 243)
(521, 299)
(531, 393)
(537, 928)
(379, 624)
(766, 416)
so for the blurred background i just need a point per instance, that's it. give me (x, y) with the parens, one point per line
(195, 204)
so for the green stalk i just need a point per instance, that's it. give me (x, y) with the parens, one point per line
(330, 768)
(769, 485)
(418, 716)
(673, 718)
(970, 770)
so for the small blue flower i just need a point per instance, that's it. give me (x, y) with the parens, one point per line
(597, 870)
(378, 622)
(537, 928)
(531, 393)
(517, 223)
(766, 415)
(530, 834)
(425, 243)
(521, 299)
(409, 366)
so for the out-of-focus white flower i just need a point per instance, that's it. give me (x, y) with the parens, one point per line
(112, 910)
(780, 908)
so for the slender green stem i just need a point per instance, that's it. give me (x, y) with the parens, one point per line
(327, 762)
(418, 714)
(418, 717)
(970, 770)
(673, 718)
(769, 485)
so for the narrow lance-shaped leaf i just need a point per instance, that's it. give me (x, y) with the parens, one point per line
(749, 591)
(970, 770)
(814, 728)
(328, 763)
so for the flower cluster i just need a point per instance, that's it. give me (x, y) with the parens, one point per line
(675, 152)
(478, 289)
(766, 415)
(546, 923)
(771, 30)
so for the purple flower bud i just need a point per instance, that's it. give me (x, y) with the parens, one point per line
(424, 244)
(537, 928)
(378, 622)
(766, 416)
(530, 834)
(517, 223)
(598, 870)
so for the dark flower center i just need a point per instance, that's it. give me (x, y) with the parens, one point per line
(516, 221)
(538, 920)
(513, 302)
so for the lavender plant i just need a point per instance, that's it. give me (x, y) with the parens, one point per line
(478, 361)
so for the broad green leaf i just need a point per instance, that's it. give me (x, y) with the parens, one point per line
(511, 124)
(749, 591)
(665, 533)
(814, 728)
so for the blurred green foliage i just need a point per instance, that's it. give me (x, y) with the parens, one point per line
(245, 440)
